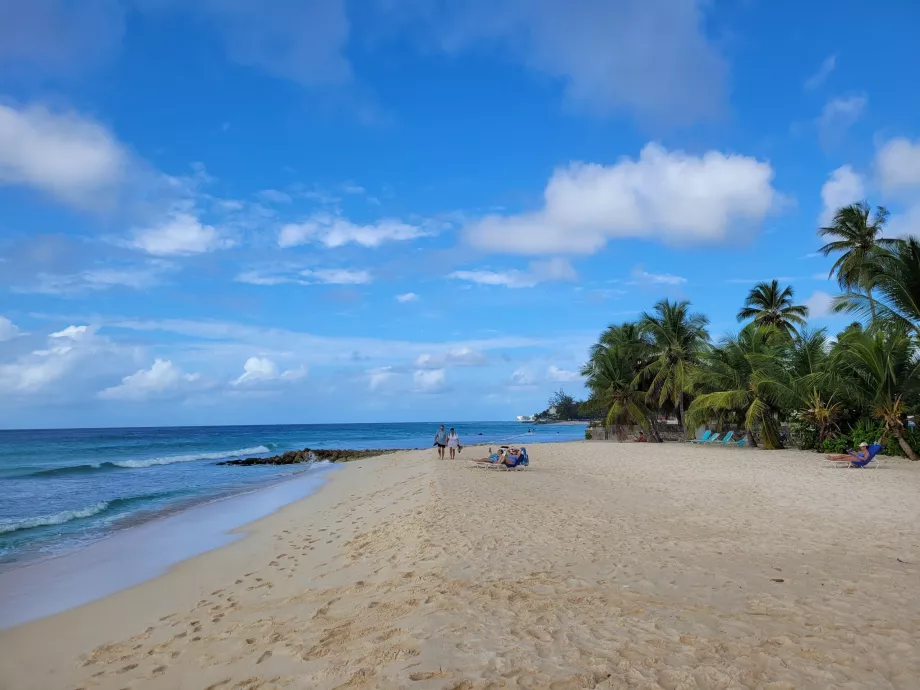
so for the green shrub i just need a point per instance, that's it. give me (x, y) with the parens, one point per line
(867, 430)
(840, 444)
(588, 435)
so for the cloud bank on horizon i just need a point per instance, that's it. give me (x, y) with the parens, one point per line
(404, 210)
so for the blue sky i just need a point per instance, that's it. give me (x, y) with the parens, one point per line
(225, 212)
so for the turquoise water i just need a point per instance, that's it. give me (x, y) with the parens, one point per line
(61, 489)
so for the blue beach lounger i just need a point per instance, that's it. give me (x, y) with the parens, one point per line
(874, 450)
(704, 438)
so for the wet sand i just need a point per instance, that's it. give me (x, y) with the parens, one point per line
(604, 565)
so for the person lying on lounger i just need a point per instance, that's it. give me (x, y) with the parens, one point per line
(852, 455)
(509, 457)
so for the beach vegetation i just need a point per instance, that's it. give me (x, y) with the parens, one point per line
(779, 380)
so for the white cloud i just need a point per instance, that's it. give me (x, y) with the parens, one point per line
(378, 378)
(642, 277)
(289, 274)
(67, 350)
(162, 379)
(335, 231)
(819, 304)
(843, 187)
(649, 57)
(8, 329)
(537, 272)
(338, 276)
(511, 278)
(673, 197)
(179, 234)
(522, 377)
(462, 356)
(63, 154)
(139, 277)
(264, 370)
(407, 297)
(838, 115)
(430, 381)
(824, 71)
(897, 164)
(273, 196)
(554, 373)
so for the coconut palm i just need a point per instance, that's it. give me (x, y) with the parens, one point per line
(771, 306)
(612, 384)
(823, 414)
(879, 369)
(894, 275)
(628, 337)
(857, 237)
(745, 380)
(677, 338)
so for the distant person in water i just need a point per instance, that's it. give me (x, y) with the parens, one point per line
(440, 440)
(453, 442)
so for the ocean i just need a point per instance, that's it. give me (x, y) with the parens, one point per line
(66, 488)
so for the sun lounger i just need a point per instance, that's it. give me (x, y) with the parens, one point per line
(727, 439)
(704, 438)
(874, 450)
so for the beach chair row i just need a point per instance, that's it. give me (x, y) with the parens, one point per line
(715, 439)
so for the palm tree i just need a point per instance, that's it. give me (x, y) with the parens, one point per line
(857, 238)
(677, 337)
(894, 274)
(627, 337)
(745, 380)
(879, 369)
(770, 306)
(824, 415)
(612, 384)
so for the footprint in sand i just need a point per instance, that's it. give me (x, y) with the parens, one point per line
(427, 675)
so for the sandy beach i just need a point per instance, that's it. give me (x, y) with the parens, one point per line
(602, 566)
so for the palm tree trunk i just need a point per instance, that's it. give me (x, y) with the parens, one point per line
(905, 446)
(680, 413)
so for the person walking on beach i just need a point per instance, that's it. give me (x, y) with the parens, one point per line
(440, 440)
(453, 442)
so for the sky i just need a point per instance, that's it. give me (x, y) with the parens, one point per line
(315, 211)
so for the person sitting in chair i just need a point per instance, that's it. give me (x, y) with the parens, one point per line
(852, 455)
(641, 438)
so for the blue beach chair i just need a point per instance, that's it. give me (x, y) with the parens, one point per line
(704, 438)
(874, 450)
(727, 438)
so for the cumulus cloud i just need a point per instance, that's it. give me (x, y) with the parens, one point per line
(649, 57)
(179, 234)
(819, 304)
(456, 357)
(670, 196)
(8, 329)
(263, 370)
(62, 154)
(824, 71)
(407, 297)
(844, 186)
(897, 164)
(335, 231)
(378, 378)
(537, 272)
(162, 379)
(554, 373)
(522, 377)
(429, 380)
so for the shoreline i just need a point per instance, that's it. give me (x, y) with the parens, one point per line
(669, 565)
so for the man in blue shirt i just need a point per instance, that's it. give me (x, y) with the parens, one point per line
(440, 440)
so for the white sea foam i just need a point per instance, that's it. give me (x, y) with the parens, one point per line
(55, 519)
(150, 462)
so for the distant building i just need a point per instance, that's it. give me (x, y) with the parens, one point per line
(525, 418)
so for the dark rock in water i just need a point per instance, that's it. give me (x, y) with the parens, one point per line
(295, 457)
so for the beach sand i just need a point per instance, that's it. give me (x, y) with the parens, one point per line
(603, 566)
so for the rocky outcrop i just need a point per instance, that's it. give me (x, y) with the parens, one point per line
(295, 457)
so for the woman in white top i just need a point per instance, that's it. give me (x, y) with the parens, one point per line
(453, 442)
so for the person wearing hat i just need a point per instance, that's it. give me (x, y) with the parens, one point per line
(853, 455)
